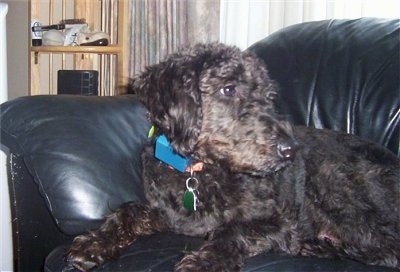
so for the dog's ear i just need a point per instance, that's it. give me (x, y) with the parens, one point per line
(170, 92)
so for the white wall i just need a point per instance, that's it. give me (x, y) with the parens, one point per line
(6, 263)
(18, 40)
(14, 40)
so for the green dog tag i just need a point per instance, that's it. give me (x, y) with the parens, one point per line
(189, 200)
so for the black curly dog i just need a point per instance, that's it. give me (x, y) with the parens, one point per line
(266, 185)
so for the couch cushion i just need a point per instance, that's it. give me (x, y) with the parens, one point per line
(83, 152)
(161, 251)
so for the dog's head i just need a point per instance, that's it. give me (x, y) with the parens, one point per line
(217, 104)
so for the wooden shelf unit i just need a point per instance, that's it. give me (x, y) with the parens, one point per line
(107, 15)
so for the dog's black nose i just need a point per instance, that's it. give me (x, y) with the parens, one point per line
(287, 150)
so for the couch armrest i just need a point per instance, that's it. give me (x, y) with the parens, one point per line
(34, 231)
(83, 153)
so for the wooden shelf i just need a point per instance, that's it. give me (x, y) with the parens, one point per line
(107, 16)
(109, 49)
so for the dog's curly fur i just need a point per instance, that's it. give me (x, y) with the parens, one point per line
(266, 184)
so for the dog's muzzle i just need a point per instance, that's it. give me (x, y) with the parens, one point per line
(287, 149)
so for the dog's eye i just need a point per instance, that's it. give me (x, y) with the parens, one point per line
(228, 90)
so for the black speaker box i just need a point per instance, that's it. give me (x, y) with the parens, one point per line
(81, 82)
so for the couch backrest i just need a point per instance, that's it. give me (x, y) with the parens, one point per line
(339, 74)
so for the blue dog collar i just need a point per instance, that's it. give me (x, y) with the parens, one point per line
(165, 153)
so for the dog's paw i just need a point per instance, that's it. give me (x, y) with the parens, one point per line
(85, 253)
(198, 262)
(189, 263)
(81, 264)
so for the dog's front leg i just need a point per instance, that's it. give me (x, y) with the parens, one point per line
(120, 229)
(233, 243)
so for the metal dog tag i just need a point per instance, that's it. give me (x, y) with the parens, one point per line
(190, 196)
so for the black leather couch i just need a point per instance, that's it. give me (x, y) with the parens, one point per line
(73, 159)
